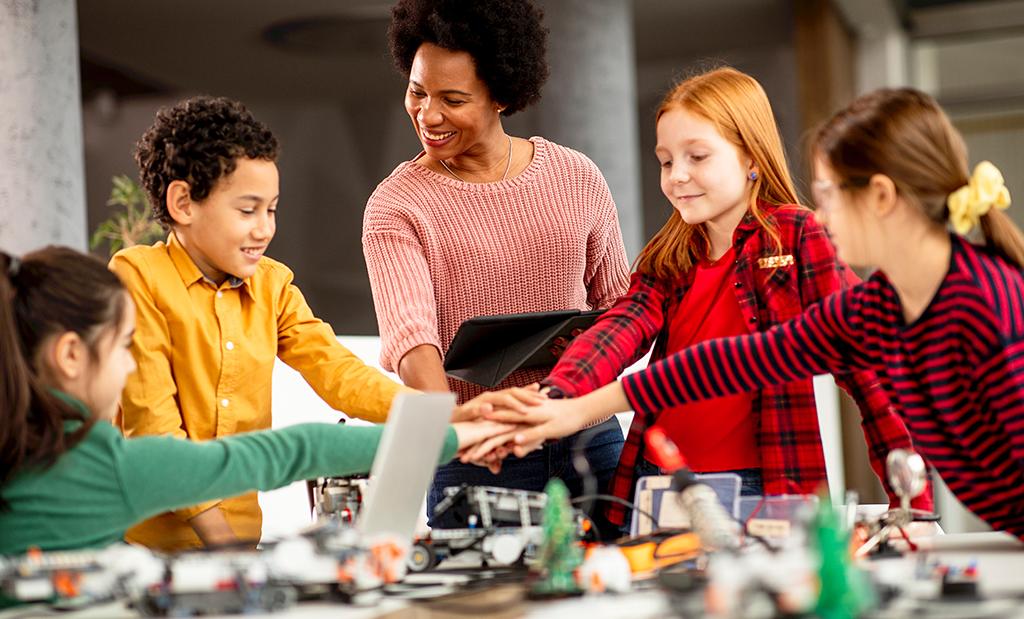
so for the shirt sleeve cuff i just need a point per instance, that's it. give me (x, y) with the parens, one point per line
(558, 389)
(632, 386)
(392, 354)
(451, 446)
(598, 422)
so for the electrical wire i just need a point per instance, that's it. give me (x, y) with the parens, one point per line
(582, 466)
(620, 501)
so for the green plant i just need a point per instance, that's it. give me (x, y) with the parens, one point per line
(131, 224)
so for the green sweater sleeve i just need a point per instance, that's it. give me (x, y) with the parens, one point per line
(161, 473)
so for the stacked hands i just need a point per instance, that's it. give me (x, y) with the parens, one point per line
(512, 421)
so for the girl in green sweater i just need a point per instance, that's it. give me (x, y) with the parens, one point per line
(68, 479)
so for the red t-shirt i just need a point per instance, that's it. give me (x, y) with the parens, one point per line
(717, 434)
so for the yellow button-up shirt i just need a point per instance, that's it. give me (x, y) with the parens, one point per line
(205, 356)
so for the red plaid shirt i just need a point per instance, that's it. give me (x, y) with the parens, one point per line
(791, 454)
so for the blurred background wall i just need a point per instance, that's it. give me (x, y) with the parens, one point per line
(318, 72)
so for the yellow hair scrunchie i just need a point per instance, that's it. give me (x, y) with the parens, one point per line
(983, 191)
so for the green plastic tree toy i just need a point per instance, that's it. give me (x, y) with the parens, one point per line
(560, 553)
(845, 591)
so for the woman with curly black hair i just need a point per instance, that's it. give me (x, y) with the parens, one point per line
(482, 222)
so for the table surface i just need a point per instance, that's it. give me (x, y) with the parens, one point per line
(999, 558)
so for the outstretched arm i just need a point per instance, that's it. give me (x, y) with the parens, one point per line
(620, 337)
(816, 342)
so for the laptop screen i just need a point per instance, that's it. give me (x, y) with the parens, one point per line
(407, 457)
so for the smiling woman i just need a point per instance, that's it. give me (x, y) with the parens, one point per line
(481, 222)
(457, 121)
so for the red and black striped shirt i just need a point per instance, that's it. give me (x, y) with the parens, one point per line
(956, 374)
(772, 287)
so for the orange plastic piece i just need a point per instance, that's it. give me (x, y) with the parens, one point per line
(654, 552)
(662, 451)
(66, 584)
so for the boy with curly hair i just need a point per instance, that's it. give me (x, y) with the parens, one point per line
(214, 312)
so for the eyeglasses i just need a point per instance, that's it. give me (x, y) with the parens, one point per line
(824, 191)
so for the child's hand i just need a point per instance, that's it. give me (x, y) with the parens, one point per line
(491, 452)
(539, 413)
(549, 420)
(513, 398)
(472, 433)
(491, 461)
(555, 418)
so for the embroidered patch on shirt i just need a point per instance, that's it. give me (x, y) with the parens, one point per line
(774, 262)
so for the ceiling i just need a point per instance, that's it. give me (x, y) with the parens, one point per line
(238, 47)
(963, 18)
(335, 49)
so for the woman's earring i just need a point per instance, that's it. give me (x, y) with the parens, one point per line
(753, 175)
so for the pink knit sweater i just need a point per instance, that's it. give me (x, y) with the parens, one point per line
(439, 250)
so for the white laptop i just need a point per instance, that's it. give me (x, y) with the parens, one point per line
(407, 457)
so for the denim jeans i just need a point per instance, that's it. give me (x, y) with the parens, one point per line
(533, 472)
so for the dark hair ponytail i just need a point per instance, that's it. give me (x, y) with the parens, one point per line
(50, 291)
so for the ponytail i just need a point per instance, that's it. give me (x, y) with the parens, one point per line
(50, 291)
(980, 202)
(1002, 235)
(16, 389)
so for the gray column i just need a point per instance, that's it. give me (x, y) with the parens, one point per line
(882, 43)
(42, 189)
(590, 103)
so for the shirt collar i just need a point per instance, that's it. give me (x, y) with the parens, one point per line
(749, 223)
(71, 401)
(190, 273)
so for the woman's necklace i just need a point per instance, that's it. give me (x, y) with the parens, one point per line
(508, 164)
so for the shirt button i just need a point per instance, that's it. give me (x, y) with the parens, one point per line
(753, 319)
(230, 345)
(219, 294)
(224, 402)
(737, 284)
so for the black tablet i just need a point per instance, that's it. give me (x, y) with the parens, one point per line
(486, 349)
